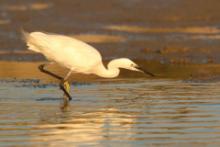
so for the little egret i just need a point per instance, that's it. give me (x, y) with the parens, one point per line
(75, 55)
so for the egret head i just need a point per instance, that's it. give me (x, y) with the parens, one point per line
(128, 64)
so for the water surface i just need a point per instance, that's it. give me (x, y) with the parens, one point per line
(122, 112)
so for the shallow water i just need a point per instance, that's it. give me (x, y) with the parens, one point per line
(123, 112)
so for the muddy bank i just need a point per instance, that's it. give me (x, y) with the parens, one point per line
(196, 72)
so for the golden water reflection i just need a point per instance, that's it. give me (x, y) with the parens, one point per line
(87, 127)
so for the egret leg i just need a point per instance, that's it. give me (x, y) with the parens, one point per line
(63, 86)
(42, 69)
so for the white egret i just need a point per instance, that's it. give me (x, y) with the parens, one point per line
(75, 55)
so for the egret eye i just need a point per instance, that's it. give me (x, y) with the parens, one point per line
(133, 65)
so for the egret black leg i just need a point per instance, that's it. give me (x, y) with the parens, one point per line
(42, 69)
(63, 82)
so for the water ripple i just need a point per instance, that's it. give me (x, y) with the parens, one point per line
(119, 113)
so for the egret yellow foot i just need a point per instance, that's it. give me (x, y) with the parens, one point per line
(66, 95)
(65, 86)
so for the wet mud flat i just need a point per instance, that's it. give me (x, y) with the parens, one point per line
(194, 72)
(164, 31)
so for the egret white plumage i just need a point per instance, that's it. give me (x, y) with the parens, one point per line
(75, 55)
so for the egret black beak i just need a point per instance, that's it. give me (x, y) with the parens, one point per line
(144, 71)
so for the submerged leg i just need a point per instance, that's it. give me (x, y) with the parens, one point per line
(63, 86)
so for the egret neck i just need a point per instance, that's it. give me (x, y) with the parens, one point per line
(112, 70)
